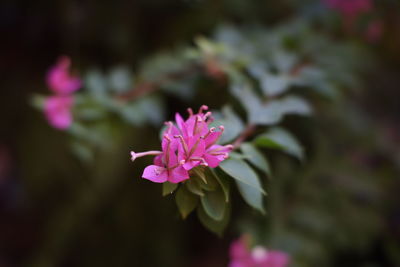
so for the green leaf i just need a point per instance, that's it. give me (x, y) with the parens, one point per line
(281, 139)
(316, 79)
(252, 196)
(209, 182)
(214, 204)
(271, 112)
(168, 188)
(37, 101)
(257, 113)
(120, 79)
(256, 157)
(242, 172)
(224, 182)
(207, 46)
(264, 141)
(273, 84)
(96, 83)
(199, 173)
(236, 155)
(132, 114)
(294, 105)
(153, 109)
(214, 226)
(232, 123)
(194, 186)
(186, 201)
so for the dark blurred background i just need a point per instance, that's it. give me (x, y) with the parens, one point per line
(53, 214)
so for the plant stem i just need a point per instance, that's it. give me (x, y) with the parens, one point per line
(145, 88)
(247, 132)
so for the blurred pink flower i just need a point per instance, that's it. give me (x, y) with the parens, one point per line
(58, 111)
(57, 108)
(185, 145)
(59, 79)
(350, 8)
(242, 256)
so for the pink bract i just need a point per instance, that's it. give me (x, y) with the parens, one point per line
(185, 145)
(59, 78)
(58, 111)
(242, 256)
(350, 8)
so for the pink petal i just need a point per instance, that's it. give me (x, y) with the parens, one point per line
(155, 174)
(197, 145)
(59, 79)
(277, 259)
(214, 160)
(158, 160)
(238, 263)
(212, 138)
(201, 126)
(219, 148)
(58, 111)
(191, 164)
(196, 148)
(178, 174)
(239, 249)
(181, 124)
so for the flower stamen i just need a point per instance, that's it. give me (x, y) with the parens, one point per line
(184, 145)
(203, 107)
(135, 155)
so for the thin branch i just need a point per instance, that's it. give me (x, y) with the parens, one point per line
(247, 132)
(145, 88)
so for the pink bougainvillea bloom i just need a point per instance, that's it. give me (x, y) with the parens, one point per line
(214, 153)
(58, 111)
(59, 78)
(57, 108)
(185, 145)
(242, 256)
(166, 165)
(350, 8)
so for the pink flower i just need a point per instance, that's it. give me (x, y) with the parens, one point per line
(185, 145)
(59, 79)
(242, 256)
(350, 8)
(57, 108)
(58, 111)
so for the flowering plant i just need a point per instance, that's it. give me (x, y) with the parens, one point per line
(205, 157)
(189, 144)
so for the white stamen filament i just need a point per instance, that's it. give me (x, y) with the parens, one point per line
(177, 165)
(184, 145)
(203, 162)
(168, 146)
(198, 119)
(208, 114)
(211, 130)
(203, 107)
(142, 154)
(221, 148)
